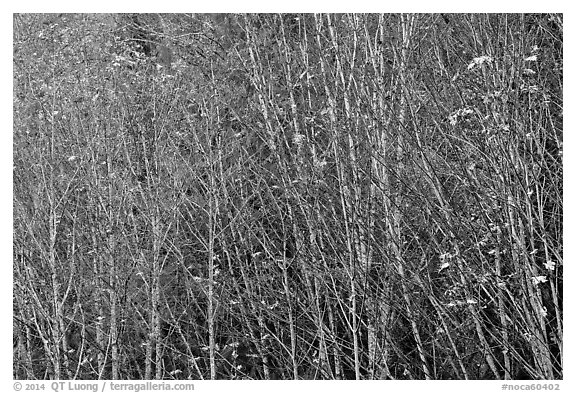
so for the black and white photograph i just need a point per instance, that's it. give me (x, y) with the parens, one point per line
(287, 196)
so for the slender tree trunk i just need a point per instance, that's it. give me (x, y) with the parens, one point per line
(211, 256)
(155, 309)
(114, 318)
(100, 318)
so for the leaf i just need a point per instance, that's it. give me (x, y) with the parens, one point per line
(538, 280)
(479, 60)
(549, 265)
(445, 265)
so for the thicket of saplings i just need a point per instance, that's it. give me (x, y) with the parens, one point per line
(352, 196)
